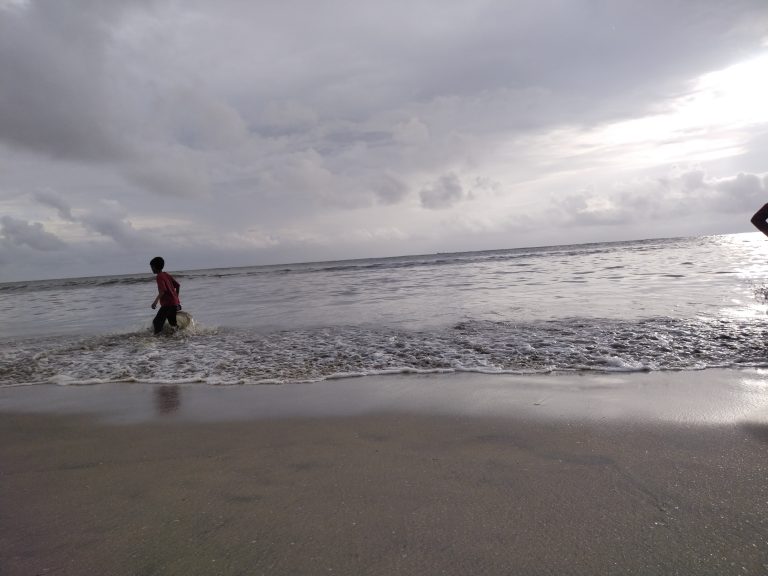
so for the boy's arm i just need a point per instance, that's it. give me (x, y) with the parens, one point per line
(759, 219)
(160, 292)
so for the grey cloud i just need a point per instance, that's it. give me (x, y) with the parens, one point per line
(91, 84)
(112, 226)
(196, 118)
(105, 218)
(58, 101)
(680, 196)
(17, 232)
(389, 190)
(50, 198)
(354, 68)
(341, 138)
(170, 171)
(562, 60)
(411, 132)
(579, 211)
(443, 193)
(695, 192)
(693, 179)
(742, 192)
(305, 181)
(288, 116)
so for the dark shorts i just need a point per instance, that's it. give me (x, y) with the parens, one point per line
(165, 313)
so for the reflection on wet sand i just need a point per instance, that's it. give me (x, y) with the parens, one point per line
(167, 399)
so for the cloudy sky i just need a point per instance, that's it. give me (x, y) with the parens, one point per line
(243, 132)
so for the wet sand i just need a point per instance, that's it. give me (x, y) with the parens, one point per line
(455, 474)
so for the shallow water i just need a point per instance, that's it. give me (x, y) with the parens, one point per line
(673, 304)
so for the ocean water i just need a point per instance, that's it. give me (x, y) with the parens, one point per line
(669, 304)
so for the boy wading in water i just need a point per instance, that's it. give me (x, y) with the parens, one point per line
(167, 295)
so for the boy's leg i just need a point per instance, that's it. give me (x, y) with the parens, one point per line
(171, 315)
(160, 319)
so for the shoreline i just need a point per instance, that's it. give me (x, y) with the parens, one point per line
(707, 396)
(639, 473)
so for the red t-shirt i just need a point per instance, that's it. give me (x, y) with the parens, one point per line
(166, 285)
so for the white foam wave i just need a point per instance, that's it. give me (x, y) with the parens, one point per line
(235, 357)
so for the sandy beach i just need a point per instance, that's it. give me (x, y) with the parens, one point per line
(661, 473)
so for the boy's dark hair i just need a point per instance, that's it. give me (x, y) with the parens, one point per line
(157, 262)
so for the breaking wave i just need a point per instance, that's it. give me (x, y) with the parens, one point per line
(241, 356)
